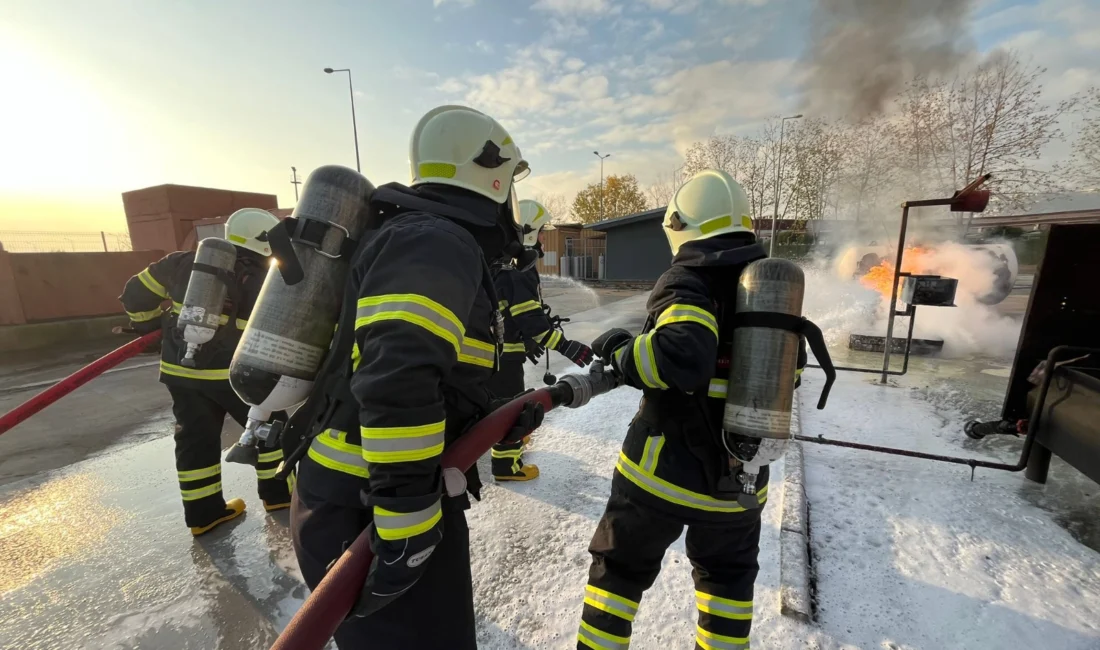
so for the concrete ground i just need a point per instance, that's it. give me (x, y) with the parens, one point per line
(91, 529)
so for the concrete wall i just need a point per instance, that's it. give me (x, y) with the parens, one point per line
(162, 217)
(637, 251)
(39, 287)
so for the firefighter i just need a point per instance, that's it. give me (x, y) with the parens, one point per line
(201, 396)
(673, 470)
(529, 331)
(426, 339)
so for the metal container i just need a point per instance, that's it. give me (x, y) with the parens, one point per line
(928, 290)
(201, 312)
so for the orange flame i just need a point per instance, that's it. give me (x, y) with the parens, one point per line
(881, 277)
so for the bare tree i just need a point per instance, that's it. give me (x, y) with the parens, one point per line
(663, 188)
(557, 205)
(868, 176)
(1084, 168)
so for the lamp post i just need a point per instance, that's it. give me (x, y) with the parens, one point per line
(602, 158)
(295, 182)
(778, 169)
(354, 127)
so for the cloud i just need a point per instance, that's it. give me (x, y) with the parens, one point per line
(573, 64)
(575, 7)
(484, 46)
(460, 3)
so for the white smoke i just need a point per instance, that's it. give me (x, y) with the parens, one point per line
(841, 305)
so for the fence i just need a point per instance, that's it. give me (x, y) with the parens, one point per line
(584, 258)
(35, 241)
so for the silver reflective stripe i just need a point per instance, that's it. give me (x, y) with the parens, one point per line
(718, 388)
(350, 462)
(600, 642)
(652, 449)
(712, 643)
(723, 607)
(394, 521)
(389, 445)
(477, 355)
(669, 492)
(645, 361)
(604, 601)
(415, 309)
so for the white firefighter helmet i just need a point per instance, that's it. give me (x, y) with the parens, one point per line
(456, 145)
(532, 217)
(711, 203)
(245, 225)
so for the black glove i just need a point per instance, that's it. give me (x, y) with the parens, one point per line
(605, 344)
(399, 560)
(529, 419)
(577, 352)
(532, 350)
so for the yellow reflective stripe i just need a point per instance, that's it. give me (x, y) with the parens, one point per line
(614, 604)
(403, 525)
(718, 388)
(652, 450)
(740, 610)
(193, 373)
(332, 450)
(524, 307)
(264, 474)
(517, 453)
(242, 323)
(402, 444)
(717, 223)
(712, 641)
(555, 340)
(143, 316)
(291, 481)
(269, 456)
(356, 356)
(201, 493)
(196, 474)
(646, 362)
(595, 638)
(514, 347)
(151, 283)
(478, 353)
(688, 314)
(549, 339)
(502, 305)
(675, 494)
(412, 308)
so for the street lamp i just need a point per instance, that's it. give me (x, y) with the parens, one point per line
(354, 127)
(602, 158)
(778, 168)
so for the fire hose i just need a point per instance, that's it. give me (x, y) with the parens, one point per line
(327, 607)
(76, 380)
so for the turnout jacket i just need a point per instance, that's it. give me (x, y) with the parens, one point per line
(673, 458)
(526, 321)
(153, 298)
(425, 346)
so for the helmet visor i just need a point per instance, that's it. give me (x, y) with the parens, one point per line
(522, 171)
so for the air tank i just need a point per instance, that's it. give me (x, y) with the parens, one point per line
(201, 312)
(291, 326)
(762, 370)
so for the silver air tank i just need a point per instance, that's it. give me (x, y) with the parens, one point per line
(201, 312)
(762, 371)
(291, 326)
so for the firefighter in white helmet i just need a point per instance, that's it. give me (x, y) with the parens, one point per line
(529, 331)
(201, 396)
(673, 470)
(425, 345)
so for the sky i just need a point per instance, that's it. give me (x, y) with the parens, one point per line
(101, 98)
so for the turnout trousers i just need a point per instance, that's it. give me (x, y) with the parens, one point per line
(627, 549)
(507, 457)
(200, 414)
(436, 613)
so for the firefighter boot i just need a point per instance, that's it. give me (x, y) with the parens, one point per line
(233, 508)
(507, 463)
(525, 473)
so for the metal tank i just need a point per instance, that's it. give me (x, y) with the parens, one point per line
(757, 417)
(201, 312)
(291, 326)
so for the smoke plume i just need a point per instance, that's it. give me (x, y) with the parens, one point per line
(862, 52)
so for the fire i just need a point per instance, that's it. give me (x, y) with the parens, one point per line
(881, 277)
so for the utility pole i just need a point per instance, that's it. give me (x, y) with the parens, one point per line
(602, 158)
(295, 182)
(778, 168)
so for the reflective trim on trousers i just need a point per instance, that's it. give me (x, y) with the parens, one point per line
(402, 525)
(196, 474)
(412, 308)
(712, 641)
(203, 492)
(600, 640)
(739, 610)
(614, 604)
(674, 493)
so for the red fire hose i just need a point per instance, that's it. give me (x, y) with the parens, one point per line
(314, 624)
(76, 380)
